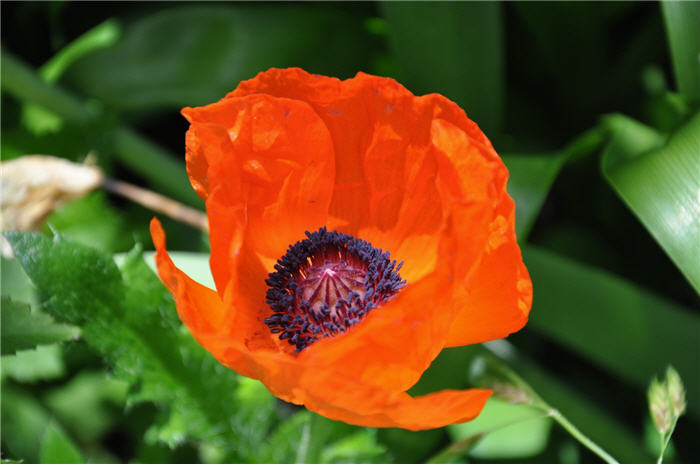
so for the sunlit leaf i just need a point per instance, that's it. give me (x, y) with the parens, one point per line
(510, 431)
(661, 184)
(636, 333)
(682, 19)
(23, 329)
(31, 366)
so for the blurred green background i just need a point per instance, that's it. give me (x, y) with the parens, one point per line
(593, 106)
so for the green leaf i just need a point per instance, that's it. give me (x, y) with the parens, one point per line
(532, 176)
(57, 448)
(682, 19)
(134, 151)
(660, 183)
(91, 221)
(15, 284)
(30, 366)
(195, 54)
(635, 333)
(23, 329)
(88, 404)
(24, 421)
(511, 431)
(195, 265)
(358, 447)
(129, 318)
(461, 59)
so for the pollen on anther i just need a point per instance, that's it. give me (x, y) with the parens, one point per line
(327, 283)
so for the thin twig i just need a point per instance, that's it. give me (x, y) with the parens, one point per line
(159, 203)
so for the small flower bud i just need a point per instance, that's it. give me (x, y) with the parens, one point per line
(660, 406)
(676, 391)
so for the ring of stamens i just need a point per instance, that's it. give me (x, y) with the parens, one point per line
(327, 283)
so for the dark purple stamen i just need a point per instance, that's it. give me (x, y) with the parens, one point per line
(327, 283)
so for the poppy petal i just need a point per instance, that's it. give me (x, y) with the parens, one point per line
(496, 298)
(202, 310)
(272, 162)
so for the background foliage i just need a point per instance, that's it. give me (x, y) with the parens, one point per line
(594, 108)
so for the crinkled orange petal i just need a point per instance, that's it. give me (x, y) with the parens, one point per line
(384, 188)
(324, 390)
(495, 300)
(271, 163)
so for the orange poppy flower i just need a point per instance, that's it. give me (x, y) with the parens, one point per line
(328, 319)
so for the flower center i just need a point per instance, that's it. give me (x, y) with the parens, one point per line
(327, 283)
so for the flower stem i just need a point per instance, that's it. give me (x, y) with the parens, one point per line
(583, 439)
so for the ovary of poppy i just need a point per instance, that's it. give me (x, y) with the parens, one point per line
(289, 152)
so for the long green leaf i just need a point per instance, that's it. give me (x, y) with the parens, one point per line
(23, 329)
(621, 327)
(190, 55)
(461, 59)
(531, 177)
(661, 184)
(57, 448)
(683, 30)
(136, 152)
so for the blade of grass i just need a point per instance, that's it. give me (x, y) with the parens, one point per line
(462, 59)
(635, 333)
(682, 21)
(660, 183)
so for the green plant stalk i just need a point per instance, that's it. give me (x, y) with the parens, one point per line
(665, 440)
(577, 434)
(540, 403)
(139, 154)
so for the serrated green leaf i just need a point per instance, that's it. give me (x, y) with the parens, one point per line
(660, 183)
(682, 19)
(23, 329)
(30, 366)
(511, 431)
(57, 448)
(636, 332)
(130, 319)
(466, 48)
(15, 284)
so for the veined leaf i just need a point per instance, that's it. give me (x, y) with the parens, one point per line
(661, 184)
(23, 329)
(625, 329)
(129, 318)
